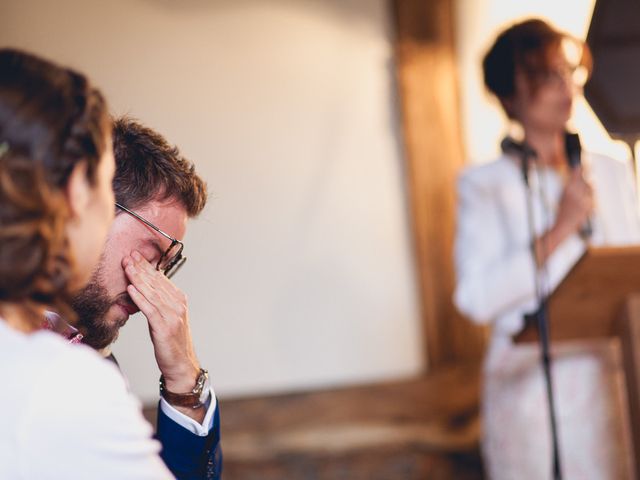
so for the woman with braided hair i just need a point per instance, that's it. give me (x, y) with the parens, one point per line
(65, 413)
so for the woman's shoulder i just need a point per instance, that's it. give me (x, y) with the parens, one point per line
(600, 159)
(55, 369)
(44, 350)
(76, 395)
(78, 368)
(50, 352)
(489, 173)
(606, 169)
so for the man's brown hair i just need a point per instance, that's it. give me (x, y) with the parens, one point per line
(149, 168)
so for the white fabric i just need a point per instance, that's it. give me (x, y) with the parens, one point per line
(61, 327)
(66, 414)
(495, 284)
(202, 430)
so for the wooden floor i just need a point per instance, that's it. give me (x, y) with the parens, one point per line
(427, 428)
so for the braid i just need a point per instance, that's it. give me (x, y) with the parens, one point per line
(35, 261)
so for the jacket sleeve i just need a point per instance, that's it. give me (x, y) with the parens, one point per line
(189, 456)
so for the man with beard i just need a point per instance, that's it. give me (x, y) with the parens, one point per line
(157, 191)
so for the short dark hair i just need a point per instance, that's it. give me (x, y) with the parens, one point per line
(524, 47)
(149, 168)
(51, 119)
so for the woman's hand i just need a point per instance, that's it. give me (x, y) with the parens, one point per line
(576, 205)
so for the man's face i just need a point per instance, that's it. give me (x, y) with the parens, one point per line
(104, 305)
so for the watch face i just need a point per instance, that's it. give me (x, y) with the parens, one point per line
(206, 388)
(198, 396)
(202, 379)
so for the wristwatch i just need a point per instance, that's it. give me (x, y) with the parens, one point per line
(196, 398)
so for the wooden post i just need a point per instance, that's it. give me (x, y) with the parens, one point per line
(629, 334)
(428, 89)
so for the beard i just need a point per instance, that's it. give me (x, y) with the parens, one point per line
(91, 305)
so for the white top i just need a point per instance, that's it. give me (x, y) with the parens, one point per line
(58, 325)
(66, 414)
(494, 265)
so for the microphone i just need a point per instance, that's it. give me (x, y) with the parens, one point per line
(573, 149)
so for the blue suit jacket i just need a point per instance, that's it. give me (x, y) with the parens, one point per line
(189, 456)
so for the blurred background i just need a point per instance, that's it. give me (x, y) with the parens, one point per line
(319, 275)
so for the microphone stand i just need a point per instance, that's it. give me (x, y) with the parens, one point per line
(541, 316)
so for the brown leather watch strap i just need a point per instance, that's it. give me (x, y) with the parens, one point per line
(192, 399)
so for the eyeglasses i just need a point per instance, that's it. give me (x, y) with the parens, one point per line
(574, 75)
(172, 258)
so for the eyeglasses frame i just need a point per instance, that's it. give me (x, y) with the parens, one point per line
(178, 259)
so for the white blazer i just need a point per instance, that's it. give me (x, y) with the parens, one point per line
(494, 265)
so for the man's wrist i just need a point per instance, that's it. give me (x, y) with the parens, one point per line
(181, 382)
(199, 421)
(196, 395)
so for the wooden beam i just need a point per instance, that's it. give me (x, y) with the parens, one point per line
(629, 334)
(428, 88)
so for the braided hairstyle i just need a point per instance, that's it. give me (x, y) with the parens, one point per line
(51, 119)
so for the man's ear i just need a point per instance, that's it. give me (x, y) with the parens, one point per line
(78, 189)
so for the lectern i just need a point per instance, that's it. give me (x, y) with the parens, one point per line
(600, 298)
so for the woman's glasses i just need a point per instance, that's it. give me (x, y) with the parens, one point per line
(567, 74)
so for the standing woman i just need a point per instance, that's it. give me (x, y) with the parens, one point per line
(531, 71)
(66, 413)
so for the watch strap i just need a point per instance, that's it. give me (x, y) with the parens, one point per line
(193, 399)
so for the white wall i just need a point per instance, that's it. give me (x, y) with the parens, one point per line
(300, 270)
(478, 23)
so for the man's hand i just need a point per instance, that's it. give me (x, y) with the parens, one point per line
(165, 307)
